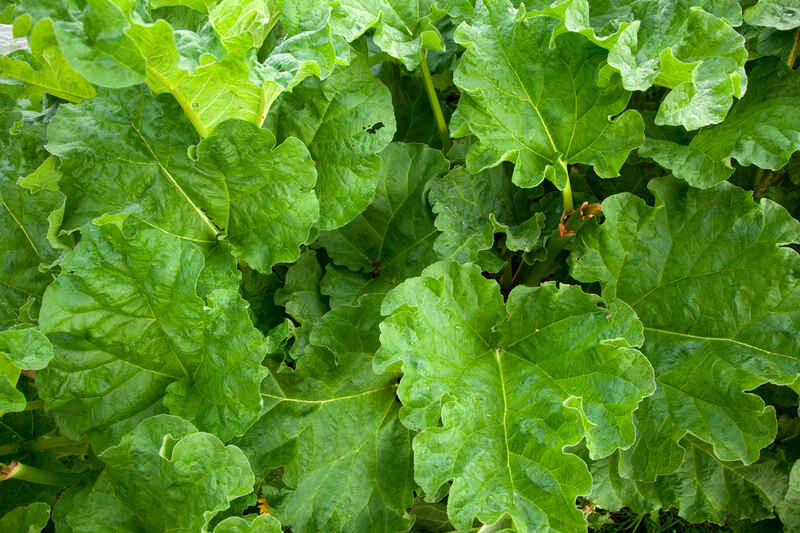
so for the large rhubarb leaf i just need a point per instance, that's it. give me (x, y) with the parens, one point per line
(392, 239)
(762, 130)
(703, 489)
(708, 274)
(164, 476)
(350, 122)
(688, 46)
(211, 72)
(333, 424)
(539, 106)
(514, 384)
(128, 152)
(132, 337)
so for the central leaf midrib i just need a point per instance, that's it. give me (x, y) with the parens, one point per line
(175, 183)
(498, 358)
(21, 227)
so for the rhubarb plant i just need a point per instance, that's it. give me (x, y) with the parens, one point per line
(399, 266)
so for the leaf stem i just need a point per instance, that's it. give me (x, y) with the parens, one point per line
(17, 470)
(433, 98)
(795, 49)
(763, 181)
(33, 405)
(58, 445)
(503, 523)
(566, 196)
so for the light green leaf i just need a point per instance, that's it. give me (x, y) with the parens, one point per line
(127, 152)
(471, 208)
(708, 274)
(259, 524)
(687, 46)
(703, 489)
(393, 238)
(514, 385)
(11, 399)
(780, 14)
(164, 476)
(91, 35)
(402, 29)
(540, 107)
(49, 71)
(26, 347)
(118, 317)
(762, 130)
(132, 48)
(29, 519)
(334, 428)
(345, 121)
(789, 508)
(243, 25)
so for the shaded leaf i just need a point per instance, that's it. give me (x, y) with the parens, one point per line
(333, 425)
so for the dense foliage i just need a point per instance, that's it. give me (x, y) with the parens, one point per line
(399, 265)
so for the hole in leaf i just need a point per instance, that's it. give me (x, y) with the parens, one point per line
(374, 128)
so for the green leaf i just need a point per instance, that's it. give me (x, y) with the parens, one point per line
(761, 130)
(270, 201)
(708, 274)
(49, 71)
(27, 219)
(24, 246)
(132, 337)
(687, 46)
(29, 519)
(259, 524)
(780, 14)
(471, 208)
(164, 476)
(514, 385)
(538, 106)
(392, 239)
(334, 428)
(402, 29)
(345, 121)
(301, 297)
(703, 489)
(789, 508)
(126, 152)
